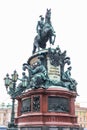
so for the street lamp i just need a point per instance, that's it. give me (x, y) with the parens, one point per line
(13, 91)
(10, 84)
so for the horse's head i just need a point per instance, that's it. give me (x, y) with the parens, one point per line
(48, 16)
(48, 13)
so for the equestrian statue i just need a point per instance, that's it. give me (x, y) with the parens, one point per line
(45, 32)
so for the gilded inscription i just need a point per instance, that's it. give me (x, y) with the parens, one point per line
(53, 72)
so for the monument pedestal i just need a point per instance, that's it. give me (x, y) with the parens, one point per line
(50, 109)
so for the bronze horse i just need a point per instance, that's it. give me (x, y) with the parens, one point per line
(46, 34)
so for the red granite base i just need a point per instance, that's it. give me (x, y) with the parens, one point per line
(50, 111)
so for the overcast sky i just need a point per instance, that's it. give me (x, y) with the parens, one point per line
(18, 19)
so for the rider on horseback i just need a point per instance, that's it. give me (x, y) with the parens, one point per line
(45, 32)
(40, 26)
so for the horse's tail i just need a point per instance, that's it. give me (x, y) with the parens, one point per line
(35, 44)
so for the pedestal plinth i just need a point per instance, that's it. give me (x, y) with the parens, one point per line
(47, 109)
(48, 102)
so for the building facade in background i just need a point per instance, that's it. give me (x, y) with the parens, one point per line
(81, 113)
(5, 114)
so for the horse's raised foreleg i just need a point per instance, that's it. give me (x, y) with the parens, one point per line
(52, 39)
